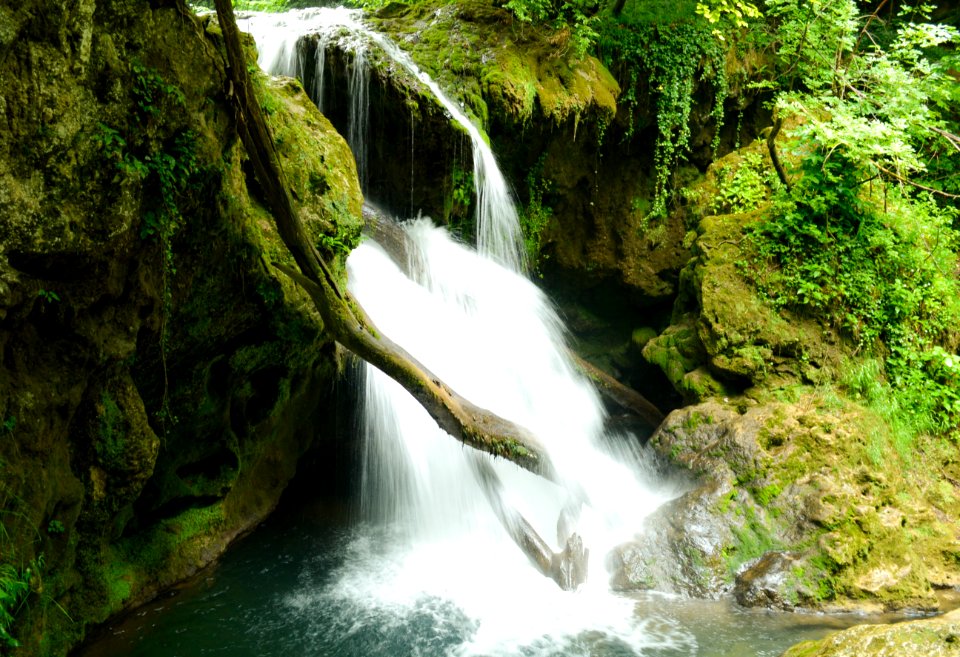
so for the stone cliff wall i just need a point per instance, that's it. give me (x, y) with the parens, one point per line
(158, 377)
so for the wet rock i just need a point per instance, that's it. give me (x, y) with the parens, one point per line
(679, 549)
(788, 510)
(569, 568)
(763, 582)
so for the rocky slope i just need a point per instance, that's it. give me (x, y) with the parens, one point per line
(159, 377)
(803, 497)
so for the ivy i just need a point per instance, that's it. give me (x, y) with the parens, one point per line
(536, 215)
(665, 59)
(166, 164)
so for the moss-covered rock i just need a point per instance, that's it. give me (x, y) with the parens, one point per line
(158, 377)
(797, 509)
(930, 637)
(721, 328)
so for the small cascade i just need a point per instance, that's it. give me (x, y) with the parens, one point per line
(358, 131)
(498, 229)
(282, 51)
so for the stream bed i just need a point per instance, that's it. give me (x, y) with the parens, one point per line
(297, 587)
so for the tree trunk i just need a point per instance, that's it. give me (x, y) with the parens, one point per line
(343, 317)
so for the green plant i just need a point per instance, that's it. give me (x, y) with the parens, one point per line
(170, 173)
(575, 21)
(8, 425)
(334, 244)
(535, 216)
(734, 12)
(152, 93)
(56, 527)
(48, 296)
(665, 55)
(459, 201)
(14, 587)
(743, 188)
(463, 187)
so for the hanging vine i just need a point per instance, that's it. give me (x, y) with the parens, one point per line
(665, 60)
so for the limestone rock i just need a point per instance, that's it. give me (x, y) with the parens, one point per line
(930, 637)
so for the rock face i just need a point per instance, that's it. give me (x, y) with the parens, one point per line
(553, 122)
(791, 512)
(931, 637)
(158, 378)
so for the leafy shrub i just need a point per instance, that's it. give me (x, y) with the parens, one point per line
(14, 587)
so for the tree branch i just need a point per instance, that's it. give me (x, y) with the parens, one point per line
(913, 183)
(774, 156)
(343, 318)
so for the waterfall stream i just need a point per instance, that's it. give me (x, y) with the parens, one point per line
(473, 319)
(277, 36)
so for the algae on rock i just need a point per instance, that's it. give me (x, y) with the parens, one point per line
(164, 379)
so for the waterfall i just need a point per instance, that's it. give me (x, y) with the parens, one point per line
(473, 319)
(498, 229)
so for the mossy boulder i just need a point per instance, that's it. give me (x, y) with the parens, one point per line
(159, 377)
(930, 637)
(803, 501)
(724, 337)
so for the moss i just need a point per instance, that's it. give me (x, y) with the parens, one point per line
(173, 545)
(522, 76)
(752, 538)
(932, 636)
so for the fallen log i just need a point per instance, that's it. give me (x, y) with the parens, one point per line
(342, 316)
(567, 568)
(625, 397)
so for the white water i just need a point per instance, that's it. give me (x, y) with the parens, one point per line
(492, 336)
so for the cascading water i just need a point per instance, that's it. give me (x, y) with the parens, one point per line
(277, 35)
(477, 323)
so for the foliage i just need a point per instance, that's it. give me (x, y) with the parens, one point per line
(735, 12)
(664, 58)
(535, 217)
(56, 527)
(8, 425)
(743, 188)
(166, 164)
(881, 269)
(333, 244)
(151, 91)
(48, 296)
(460, 201)
(14, 587)
(863, 238)
(575, 19)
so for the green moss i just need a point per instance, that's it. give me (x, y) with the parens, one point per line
(517, 76)
(752, 539)
(131, 565)
(766, 494)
